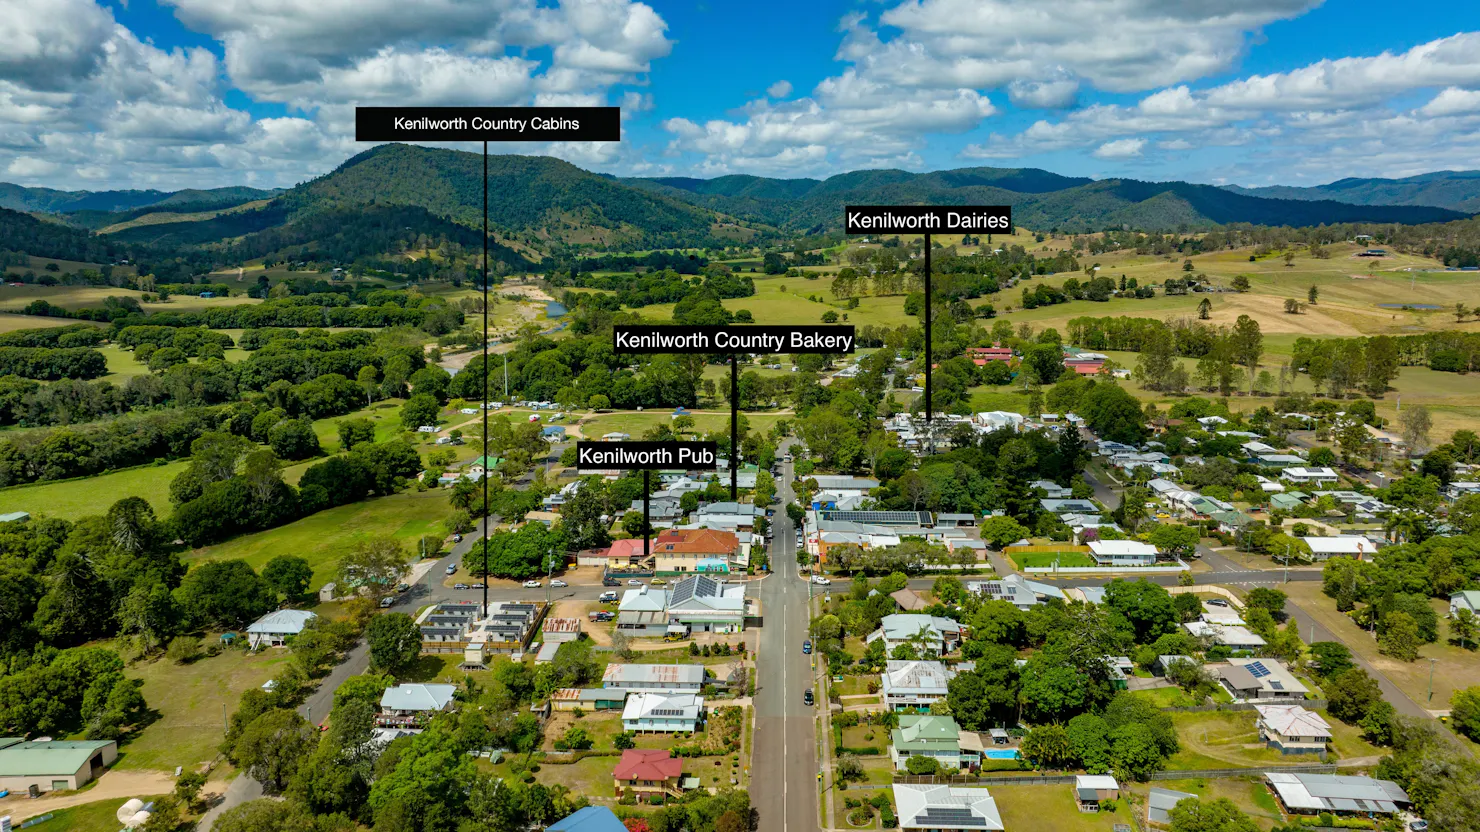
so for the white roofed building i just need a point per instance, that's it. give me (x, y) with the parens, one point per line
(925, 808)
(1311, 794)
(1122, 553)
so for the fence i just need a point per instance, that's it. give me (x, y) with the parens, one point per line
(1308, 704)
(1068, 779)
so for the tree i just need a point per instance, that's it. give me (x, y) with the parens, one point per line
(271, 748)
(1399, 637)
(1241, 283)
(1351, 694)
(293, 439)
(376, 563)
(1463, 628)
(224, 593)
(421, 409)
(1416, 422)
(1204, 309)
(289, 575)
(354, 431)
(1272, 600)
(395, 641)
(1221, 815)
(1003, 531)
(1090, 737)
(1465, 711)
(1048, 747)
(1147, 606)
(1176, 540)
(1292, 306)
(267, 815)
(1247, 342)
(1311, 294)
(1134, 752)
(1331, 658)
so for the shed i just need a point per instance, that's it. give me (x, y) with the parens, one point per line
(1159, 803)
(1090, 789)
(52, 765)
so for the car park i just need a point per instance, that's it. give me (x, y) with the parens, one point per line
(558, 583)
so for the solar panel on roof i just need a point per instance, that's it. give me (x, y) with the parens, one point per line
(1257, 670)
(1276, 685)
(881, 518)
(938, 817)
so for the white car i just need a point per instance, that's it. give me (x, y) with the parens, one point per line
(821, 581)
(558, 583)
(532, 584)
(633, 582)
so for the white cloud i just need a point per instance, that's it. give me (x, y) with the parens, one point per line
(1452, 101)
(51, 44)
(780, 89)
(1120, 149)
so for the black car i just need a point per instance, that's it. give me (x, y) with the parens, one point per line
(807, 696)
(610, 582)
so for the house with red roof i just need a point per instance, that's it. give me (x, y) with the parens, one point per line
(649, 772)
(981, 355)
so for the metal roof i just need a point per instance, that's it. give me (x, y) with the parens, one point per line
(53, 757)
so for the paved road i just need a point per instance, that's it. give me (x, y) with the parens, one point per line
(784, 760)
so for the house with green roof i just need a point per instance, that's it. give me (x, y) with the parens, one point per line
(926, 735)
(1288, 501)
(52, 765)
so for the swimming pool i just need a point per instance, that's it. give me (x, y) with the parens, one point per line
(1000, 753)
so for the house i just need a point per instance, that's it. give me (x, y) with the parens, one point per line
(946, 809)
(1159, 804)
(1069, 506)
(1090, 789)
(15, 516)
(703, 604)
(463, 626)
(677, 551)
(561, 630)
(930, 634)
(925, 735)
(1228, 635)
(999, 420)
(1212, 421)
(1163, 664)
(1288, 501)
(1303, 475)
(1279, 461)
(981, 355)
(914, 684)
(1292, 729)
(52, 765)
(481, 467)
(589, 819)
(660, 678)
(1260, 679)
(1016, 590)
(1231, 522)
(1465, 599)
(643, 611)
(1051, 489)
(924, 808)
(663, 712)
(845, 486)
(588, 699)
(728, 515)
(648, 772)
(1351, 546)
(408, 705)
(553, 433)
(1122, 553)
(1311, 794)
(275, 628)
(908, 600)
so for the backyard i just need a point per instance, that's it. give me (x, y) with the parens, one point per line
(1224, 739)
(1052, 807)
(1250, 795)
(1035, 560)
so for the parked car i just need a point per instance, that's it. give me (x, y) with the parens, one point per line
(1216, 602)
(807, 647)
(457, 538)
(451, 568)
(558, 583)
(633, 582)
(608, 596)
(532, 584)
(601, 615)
(459, 586)
(403, 587)
(387, 601)
(1419, 826)
(821, 581)
(807, 696)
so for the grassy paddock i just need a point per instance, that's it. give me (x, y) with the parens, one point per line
(101, 816)
(72, 499)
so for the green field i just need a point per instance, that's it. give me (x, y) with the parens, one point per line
(322, 537)
(72, 499)
(10, 322)
(1025, 560)
(101, 816)
(191, 700)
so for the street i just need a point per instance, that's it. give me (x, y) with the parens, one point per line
(784, 767)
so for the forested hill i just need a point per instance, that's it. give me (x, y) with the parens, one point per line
(1040, 199)
(536, 197)
(50, 201)
(1458, 190)
(39, 238)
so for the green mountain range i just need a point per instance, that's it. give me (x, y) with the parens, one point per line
(51, 201)
(1458, 190)
(1039, 199)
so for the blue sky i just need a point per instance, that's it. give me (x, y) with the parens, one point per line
(193, 93)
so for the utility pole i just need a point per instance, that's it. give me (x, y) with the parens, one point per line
(929, 424)
(484, 406)
(734, 428)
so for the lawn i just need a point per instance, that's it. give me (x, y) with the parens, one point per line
(193, 701)
(1025, 560)
(1052, 807)
(1454, 668)
(386, 414)
(322, 537)
(1224, 739)
(1170, 697)
(10, 322)
(1251, 796)
(101, 816)
(1347, 742)
(71, 499)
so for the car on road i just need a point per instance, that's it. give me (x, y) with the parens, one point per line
(477, 585)
(558, 583)
(807, 696)
(633, 582)
(807, 647)
(457, 538)
(403, 587)
(610, 582)
(659, 582)
(608, 597)
(451, 568)
(387, 601)
(821, 581)
(532, 584)
(459, 586)
(784, 457)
